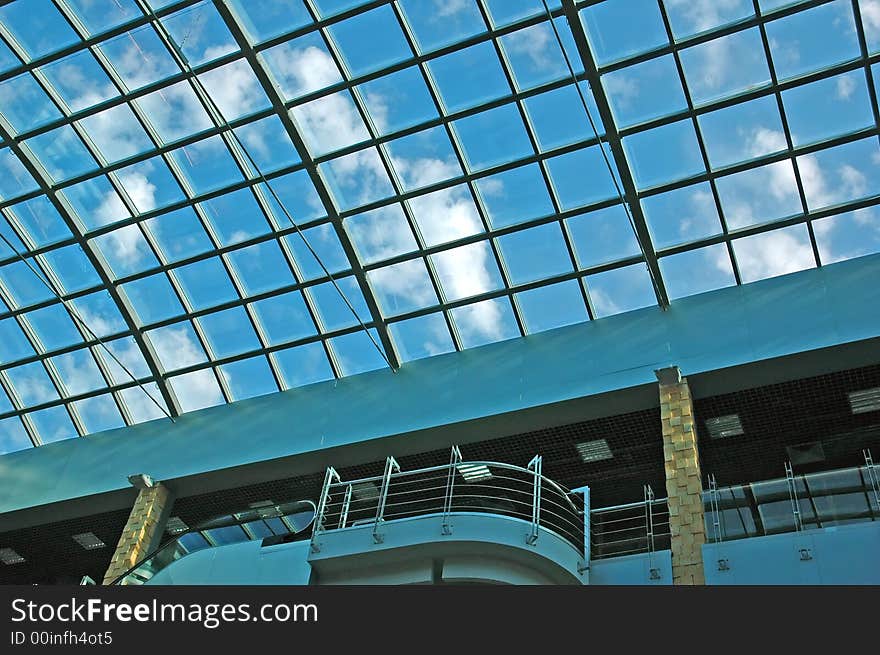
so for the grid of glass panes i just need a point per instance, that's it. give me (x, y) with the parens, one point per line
(468, 200)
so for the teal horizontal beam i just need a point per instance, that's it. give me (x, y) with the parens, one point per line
(805, 311)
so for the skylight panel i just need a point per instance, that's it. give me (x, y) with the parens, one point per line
(697, 271)
(13, 437)
(249, 378)
(470, 77)
(420, 337)
(14, 345)
(743, 132)
(140, 407)
(725, 66)
(175, 112)
(235, 90)
(301, 200)
(79, 80)
(177, 346)
(644, 91)
(362, 51)
(117, 133)
(100, 312)
(95, 203)
(664, 154)
(828, 108)
(228, 332)
(260, 268)
(558, 118)
(602, 237)
(179, 234)
(774, 253)
(149, 184)
(8, 251)
(467, 271)
(153, 298)
(381, 234)
(205, 283)
(14, 178)
(53, 327)
(25, 105)
(403, 287)
(330, 123)
(580, 178)
(535, 254)
(284, 318)
(446, 215)
(268, 144)
(552, 306)
(71, 269)
(357, 179)
(333, 312)
(270, 17)
(78, 372)
(40, 220)
(139, 57)
(52, 424)
(621, 290)
(31, 384)
(37, 26)
(235, 217)
(100, 17)
(356, 353)
(504, 12)
(62, 153)
(493, 137)
(688, 18)
(398, 101)
(206, 165)
(126, 251)
(323, 242)
(127, 351)
(8, 60)
(534, 55)
(436, 24)
(22, 285)
(682, 215)
(485, 322)
(306, 364)
(744, 196)
(514, 196)
(302, 66)
(841, 174)
(200, 33)
(197, 390)
(847, 236)
(423, 158)
(619, 28)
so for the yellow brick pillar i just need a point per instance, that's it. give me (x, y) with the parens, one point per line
(144, 529)
(683, 479)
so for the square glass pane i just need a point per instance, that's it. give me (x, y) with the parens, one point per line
(149, 185)
(284, 318)
(303, 365)
(197, 390)
(71, 269)
(774, 253)
(697, 271)
(260, 268)
(207, 165)
(553, 306)
(398, 101)
(301, 201)
(361, 50)
(664, 154)
(268, 18)
(8, 60)
(62, 153)
(116, 133)
(99, 17)
(249, 378)
(725, 66)
(179, 234)
(645, 91)
(742, 132)
(436, 26)
(357, 179)
(813, 39)
(139, 57)
(14, 177)
(42, 223)
(619, 28)
(493, 137)
(621, 290)
(142, 407)
(79, 80)
(323, 242)
(14, 345)
(200, 33)
(357, 353)
(688, 18)
(95, 203)
(235, 217)
(268, 144)
(469, 77)
(78, 372)
(235, 90)
(13, 436)
(100, 313)
(744, 197)
(403, 287)
(334, 311)
(302, 66)
(580, 178)
(515, 196)
(126, 251)
(330, 123)
(504, 12)
(52, 424)
(847, 236)
(828, 108)
(841, 174)
(53, 327)
(535, 254)
(682, 215)
(177, 346)
(534, 55)
(446, 215)
(23, 285)
(25, 105)
(153, 298)
(467, 271)
(485, 322)
(31, 384)
(175, 112)
(228, 333)
(423, 158)
(127, 351)
(423, 336)
(98, 414)
(205, 283)
(381, 234)
(38, 26)
(558, 118)
(602, 236)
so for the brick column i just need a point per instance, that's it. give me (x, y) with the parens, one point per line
(143, 530)
(683, 480)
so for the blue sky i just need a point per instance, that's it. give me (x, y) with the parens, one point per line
(471, 179)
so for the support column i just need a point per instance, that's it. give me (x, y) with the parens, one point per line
(144, 528)
(683, 479)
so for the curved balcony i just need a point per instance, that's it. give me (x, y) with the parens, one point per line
(460, 522)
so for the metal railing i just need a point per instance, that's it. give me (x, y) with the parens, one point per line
(641, 527)
(459, 486)
(282, 522)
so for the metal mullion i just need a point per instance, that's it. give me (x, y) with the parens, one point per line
(787, 132)
(117, 399)
(18, 410)
(866, 58)
(386, 349)
(88, 41)
(700, 142)
(31, 429)
(629, 191)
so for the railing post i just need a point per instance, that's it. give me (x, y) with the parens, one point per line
(391, 466)
(792, 494)
(717, 529)
(653, 571)
(330, 477)
(535, 466)
(454, 459)
(873, 477)
(585, 492)
(346, 505)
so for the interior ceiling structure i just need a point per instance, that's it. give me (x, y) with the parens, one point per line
(237, 197)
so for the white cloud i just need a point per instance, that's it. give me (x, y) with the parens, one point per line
(447, 8)
(770, 254)
(197, 390)
(846, 86)
(535, 43)
(176, 348)
(235, 89)
(300, 71)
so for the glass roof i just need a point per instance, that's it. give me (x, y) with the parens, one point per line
(225, 199)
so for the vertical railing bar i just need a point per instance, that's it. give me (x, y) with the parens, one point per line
(872, 476)
(792, 494)
(535, 466)
(329, 477)
(454, 459)
(346, 504)
(391, 466)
